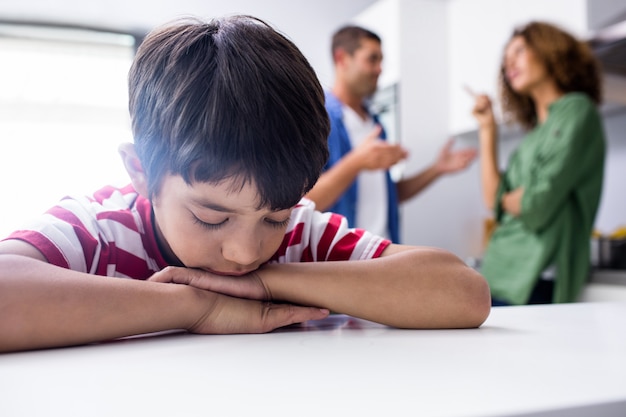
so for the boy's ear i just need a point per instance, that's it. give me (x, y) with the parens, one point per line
(134, 168)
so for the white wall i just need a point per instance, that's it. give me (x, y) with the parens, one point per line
(444, 214)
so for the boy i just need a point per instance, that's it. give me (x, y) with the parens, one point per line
(230, 132)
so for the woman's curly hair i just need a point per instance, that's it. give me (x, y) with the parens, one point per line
(568, 60)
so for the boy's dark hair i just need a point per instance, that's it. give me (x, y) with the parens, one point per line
(349, 38)
(568, 60)
(229, 98)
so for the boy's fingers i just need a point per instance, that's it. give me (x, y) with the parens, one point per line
(169, 274)
(280, 315)
(193, 277)
(187, 276)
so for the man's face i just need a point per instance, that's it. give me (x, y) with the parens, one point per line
(363, 67)
(216, 227)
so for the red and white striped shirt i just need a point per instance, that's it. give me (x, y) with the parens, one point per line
(111, 233)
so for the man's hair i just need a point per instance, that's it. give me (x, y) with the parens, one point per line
(568, 60)
(228, 99)
(349, 38)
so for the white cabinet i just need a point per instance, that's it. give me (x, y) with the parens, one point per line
(602, 13)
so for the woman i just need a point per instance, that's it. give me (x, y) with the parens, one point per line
(546, 200)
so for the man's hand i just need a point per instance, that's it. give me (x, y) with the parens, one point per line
(449, 161)
(374, 153)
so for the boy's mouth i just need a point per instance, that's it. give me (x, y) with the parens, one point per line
(228, 274)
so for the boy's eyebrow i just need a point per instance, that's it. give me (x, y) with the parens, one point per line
(214, 206)
(218, 207)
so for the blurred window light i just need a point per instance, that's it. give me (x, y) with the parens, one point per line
(63, 113)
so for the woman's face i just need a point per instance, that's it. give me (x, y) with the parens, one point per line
(523, 70)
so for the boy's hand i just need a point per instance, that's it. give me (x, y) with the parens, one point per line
(248, 286)
(237, 304)
(229, 315)
(450, 161)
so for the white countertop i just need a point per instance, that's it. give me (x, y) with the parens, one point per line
(551, 360)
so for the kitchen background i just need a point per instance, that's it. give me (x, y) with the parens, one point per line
(432, 49)
(436, 48)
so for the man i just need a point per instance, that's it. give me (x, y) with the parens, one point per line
(356, 182)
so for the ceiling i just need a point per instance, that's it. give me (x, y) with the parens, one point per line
(308, 23)
(140, 15)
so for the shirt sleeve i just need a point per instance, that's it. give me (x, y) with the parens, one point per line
(571, 145)
(66, 235)
(106, 235)
(313, 236)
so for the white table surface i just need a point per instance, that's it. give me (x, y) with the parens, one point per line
(556, 360)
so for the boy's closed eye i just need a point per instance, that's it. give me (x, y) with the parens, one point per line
(207, 225)
(279, 224)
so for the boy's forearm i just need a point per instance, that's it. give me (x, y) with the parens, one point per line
(45, 306)
(418, 288)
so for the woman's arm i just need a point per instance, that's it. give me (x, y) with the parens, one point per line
(488, 133)
(512, 201)
(42, 305)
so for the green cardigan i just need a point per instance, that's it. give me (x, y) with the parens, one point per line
(560, 165)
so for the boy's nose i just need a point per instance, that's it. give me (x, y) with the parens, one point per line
(242, 250)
